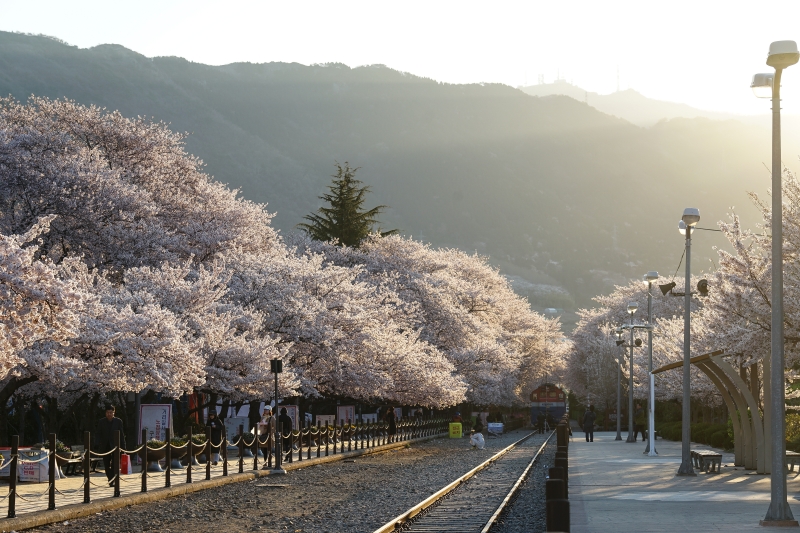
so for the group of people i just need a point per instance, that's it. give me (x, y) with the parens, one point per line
(639, 423)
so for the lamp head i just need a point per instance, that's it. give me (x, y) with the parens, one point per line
(762, 85)
(637, 342)
(632, 307)
(620, 342)
(691, 216)
(650, 277)
(618, 331)
(782, 54)
(667, 288)
(702, 287)
(682, 227)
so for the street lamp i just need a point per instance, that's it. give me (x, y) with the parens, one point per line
(632, 307)
(690, 218)
(782, 54)
(619, 331)
(649, 278)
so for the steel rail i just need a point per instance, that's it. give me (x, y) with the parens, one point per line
(405, 517)
(515, 488)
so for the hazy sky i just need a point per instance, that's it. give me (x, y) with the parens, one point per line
(699, 52)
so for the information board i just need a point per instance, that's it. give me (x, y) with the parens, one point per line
(345, 414)
(232, 426)
(322, 419)
(155, 418)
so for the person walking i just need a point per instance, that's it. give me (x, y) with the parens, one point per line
(639, 422)
(104, 441)
(391, 419)
(285, 425)
(216, 426)
(588, 423)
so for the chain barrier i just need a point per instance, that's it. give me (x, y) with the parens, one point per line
(32, 496)
(296, 444)
(71, 491)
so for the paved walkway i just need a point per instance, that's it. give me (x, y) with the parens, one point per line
(613, 487)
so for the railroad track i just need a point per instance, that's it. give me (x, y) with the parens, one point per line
(473, 502)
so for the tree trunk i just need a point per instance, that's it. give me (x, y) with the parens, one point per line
(5, 395)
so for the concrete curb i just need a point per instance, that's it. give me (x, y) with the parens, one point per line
(81, 510)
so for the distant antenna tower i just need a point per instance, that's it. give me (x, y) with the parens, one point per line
(541, 79)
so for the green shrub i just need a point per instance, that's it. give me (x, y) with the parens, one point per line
(715, 435)
(720, 439)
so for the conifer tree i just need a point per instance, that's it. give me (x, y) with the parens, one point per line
(344, 219)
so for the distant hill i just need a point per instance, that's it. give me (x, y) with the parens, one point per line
(628, 104)
(555, 191)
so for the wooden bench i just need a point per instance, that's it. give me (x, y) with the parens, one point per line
(707, 460)
(791, 459)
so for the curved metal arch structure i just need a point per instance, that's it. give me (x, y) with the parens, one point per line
(750, 439)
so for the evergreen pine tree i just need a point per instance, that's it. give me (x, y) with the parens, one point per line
(344, 219)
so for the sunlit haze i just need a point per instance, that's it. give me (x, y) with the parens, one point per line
(699, 53)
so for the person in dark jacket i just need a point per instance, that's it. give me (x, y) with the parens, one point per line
(540, 422)
(285, 422)
(478, 427)
(104, 441)
(391, 419)
(216, 426)
(285, 425)
(588, 423)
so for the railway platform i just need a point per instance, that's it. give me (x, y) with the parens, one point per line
(614, 487)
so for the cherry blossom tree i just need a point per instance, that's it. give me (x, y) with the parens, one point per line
(463, 307)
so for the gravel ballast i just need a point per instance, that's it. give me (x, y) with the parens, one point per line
(356, 495)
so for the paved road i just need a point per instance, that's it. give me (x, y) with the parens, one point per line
(613, 487)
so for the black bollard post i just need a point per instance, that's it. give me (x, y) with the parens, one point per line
(209, 453)
(290, 446)
(255, 449)
(116, 462)
(223, 447)
(558, 515)
(241, 449)
(190, 455)
(51, 473)
(87, 465)
(554, 489)
(144, 460)
(562, 463)
(556, 472)
(562, 455)
(12, 481)
(167, 480)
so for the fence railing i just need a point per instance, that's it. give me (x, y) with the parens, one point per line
(296, 446)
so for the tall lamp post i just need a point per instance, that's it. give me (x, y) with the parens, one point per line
(782, 54)
(619, 332)
(632, 307)
(649, 278)
(690, 218)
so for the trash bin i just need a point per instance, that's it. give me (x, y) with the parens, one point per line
(455, 430)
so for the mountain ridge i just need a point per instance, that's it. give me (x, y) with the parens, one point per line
(552, 189)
